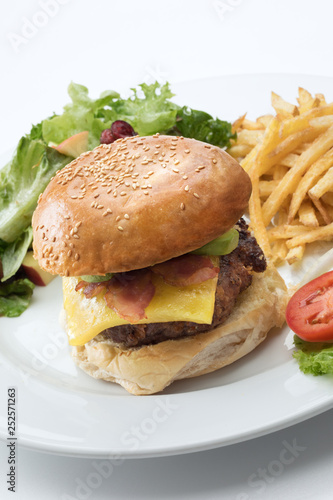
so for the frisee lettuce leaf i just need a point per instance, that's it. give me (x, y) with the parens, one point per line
(151, 113)
(81, 114)
(15, 297)
(314, 358)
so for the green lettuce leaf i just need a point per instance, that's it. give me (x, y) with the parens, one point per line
(21, 182)
(150, 113)
(12, 254)
(81, 114)
(315, 358)
(201, 126)
(15, 297)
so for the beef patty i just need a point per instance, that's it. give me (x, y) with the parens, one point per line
(234, 277)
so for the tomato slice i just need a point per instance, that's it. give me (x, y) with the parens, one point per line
(310, 310)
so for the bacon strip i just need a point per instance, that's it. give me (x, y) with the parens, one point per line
(186, 270)
(128, 294)
(90, 289)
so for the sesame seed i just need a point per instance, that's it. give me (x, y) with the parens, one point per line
(187, 188)
(69, 253)
(99, 207)
(176, 170)
(185, 177)
(126, 216)
(186, 150)
(74, 197)
(123, 193)
(76, 257)
(120, 228)
(145, 192)
(182, 206)
(196, 195)
(176, 162)
(214, 161)
(78, 224)
(76, 236)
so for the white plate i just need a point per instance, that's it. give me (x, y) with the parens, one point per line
(62, 410)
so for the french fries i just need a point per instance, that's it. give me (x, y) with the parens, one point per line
(289, 158)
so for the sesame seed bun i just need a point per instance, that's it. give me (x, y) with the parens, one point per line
(135, 203)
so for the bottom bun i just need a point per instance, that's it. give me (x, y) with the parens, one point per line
(151, 368)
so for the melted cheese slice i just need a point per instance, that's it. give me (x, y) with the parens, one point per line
(86, 318)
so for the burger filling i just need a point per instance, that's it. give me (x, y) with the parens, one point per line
(234, 276)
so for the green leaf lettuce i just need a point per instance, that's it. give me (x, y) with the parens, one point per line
(315, 358)
(15, 297)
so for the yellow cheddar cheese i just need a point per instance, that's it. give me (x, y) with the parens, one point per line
(86, 318)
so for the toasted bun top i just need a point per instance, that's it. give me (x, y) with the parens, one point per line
(137, 202)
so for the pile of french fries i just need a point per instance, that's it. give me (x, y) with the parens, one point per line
(289, 157)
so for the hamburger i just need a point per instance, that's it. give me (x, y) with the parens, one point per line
(161, 278)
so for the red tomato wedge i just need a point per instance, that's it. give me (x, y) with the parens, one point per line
(310, 310)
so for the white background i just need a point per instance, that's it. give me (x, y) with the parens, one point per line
(118, 44)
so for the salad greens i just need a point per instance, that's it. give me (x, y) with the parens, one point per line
(315, 358)
(12, 254)
(21, 182)
(15, 297)
(149, 110)
(202, 126)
